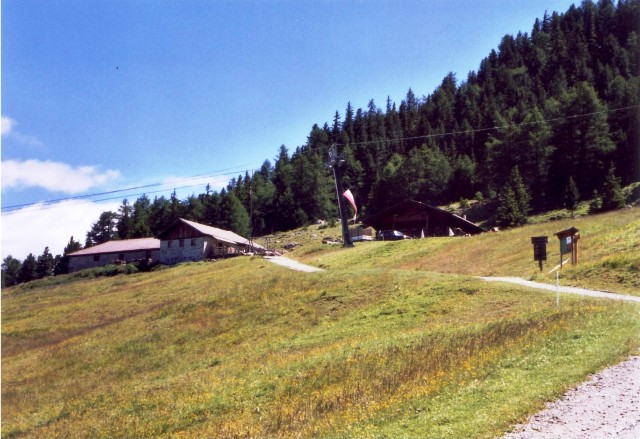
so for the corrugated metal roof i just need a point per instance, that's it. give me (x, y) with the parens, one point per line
(214, 232)
(126, 245)
(220, 234)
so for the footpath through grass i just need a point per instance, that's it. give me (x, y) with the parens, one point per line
(376, 346)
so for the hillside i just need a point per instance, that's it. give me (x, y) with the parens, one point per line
(559, 106)
(609, 253)
(382, 343)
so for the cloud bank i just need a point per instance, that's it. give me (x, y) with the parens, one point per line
(31, 229)
(53, 176)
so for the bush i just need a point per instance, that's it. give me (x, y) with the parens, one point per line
(106, 271)
(595, 205)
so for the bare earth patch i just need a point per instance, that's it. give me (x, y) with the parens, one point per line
(294, 265)
(606, 406)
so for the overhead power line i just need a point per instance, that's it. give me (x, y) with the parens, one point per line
(494, 128)
(47, 204)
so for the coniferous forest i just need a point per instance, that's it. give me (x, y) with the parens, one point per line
(553, 115)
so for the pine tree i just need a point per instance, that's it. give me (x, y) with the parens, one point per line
(237, 217)
(103, 230)
(612, 195)
(584, 143)
(29, 269)
(513, 201)
(522, 194)
(45, 263)
(125, 220)
(571, 196)
(11, 268)
(61, 265)
(508, 212)
(140, 227)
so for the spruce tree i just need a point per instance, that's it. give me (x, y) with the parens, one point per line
(513, 201)
(29, 269)
(125, 220)
(612, 195)
(103, 230)
(237, 217)
(45, 264)
(571, 196)
(508, 212)
(11, 268)
(61, 265)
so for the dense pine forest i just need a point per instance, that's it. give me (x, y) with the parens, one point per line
(548, 119)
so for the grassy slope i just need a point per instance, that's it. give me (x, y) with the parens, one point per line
(609, 253)
(375, 346)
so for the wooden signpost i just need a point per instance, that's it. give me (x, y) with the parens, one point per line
(539, 249)
(569, 243)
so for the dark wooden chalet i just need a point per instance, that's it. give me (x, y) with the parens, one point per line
(417, 219)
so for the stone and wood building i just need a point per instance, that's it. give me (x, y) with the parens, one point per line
(115, 252)
(181, 242)
(190, 241)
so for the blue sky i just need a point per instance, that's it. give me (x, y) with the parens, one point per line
(103, 95)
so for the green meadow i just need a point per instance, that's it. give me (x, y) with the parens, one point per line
(393, 339)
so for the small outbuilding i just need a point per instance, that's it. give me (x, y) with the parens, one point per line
(416, 219)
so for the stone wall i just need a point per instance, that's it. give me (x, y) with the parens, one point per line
(193, 249)
(77, 263)
(182, 250)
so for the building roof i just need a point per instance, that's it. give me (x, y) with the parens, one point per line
(410, 211)
(219, 234)
(123, 246)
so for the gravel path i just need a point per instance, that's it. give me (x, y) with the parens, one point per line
(606, 406)
(562, 289)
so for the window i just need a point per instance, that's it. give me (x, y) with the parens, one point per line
(169, 244)
(121, 256)
(96, 257)
(182, 243)
(193, 243)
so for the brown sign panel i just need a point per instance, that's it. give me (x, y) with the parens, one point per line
(539, 248)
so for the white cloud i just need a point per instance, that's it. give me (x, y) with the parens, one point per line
(8, 131)
(7, 125)
(53, 176)
(31, 229)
